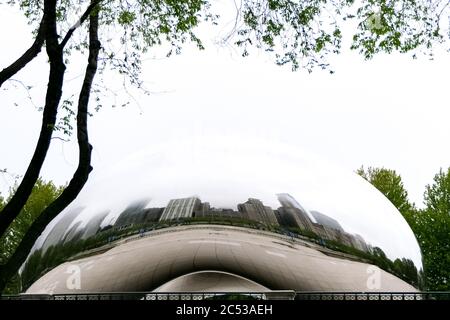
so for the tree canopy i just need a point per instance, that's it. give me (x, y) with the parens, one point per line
(390, 184)
(296, 32)
(432, 227)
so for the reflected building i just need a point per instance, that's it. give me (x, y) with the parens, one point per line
(73, 234)
(61, 227)
(181, 208)
(254, 209)
(131, 213)
(293, 213)
(329, 228)
(138, 217)
(93, 226)
(332, 230)
(326, 221)
(150, 215)
(360, 243)
(205, 211)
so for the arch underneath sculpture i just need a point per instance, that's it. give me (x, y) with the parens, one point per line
(211, 281)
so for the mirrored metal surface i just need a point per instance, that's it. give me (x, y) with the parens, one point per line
(247, 185)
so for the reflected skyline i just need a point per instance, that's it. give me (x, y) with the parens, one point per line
(289, 215)
(289, 219)
(272, 185)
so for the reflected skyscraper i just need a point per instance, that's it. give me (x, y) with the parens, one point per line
(93, 225)
(61, 227)
(327, 221)
(360, 243)
(180, 208)
(294, 211)
(204, 210)
(254, 209)
(129, 214)
(74, 233)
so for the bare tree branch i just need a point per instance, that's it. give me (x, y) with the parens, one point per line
(80, 21)
(27, 89)
(28, 55)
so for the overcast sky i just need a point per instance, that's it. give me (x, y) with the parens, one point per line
(392, 111)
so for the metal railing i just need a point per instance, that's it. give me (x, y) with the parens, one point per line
(270, 295)
(372, 296)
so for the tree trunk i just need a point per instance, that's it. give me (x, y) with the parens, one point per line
(48, 30)
(53, 97)
(81, 174)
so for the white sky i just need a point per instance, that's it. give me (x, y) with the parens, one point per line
(391, 111)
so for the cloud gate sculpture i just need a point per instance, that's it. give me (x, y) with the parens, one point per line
(225, 215)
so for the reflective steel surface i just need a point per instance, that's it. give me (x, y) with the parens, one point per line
(249, 185)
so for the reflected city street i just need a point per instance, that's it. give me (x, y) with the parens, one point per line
(228, 215)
